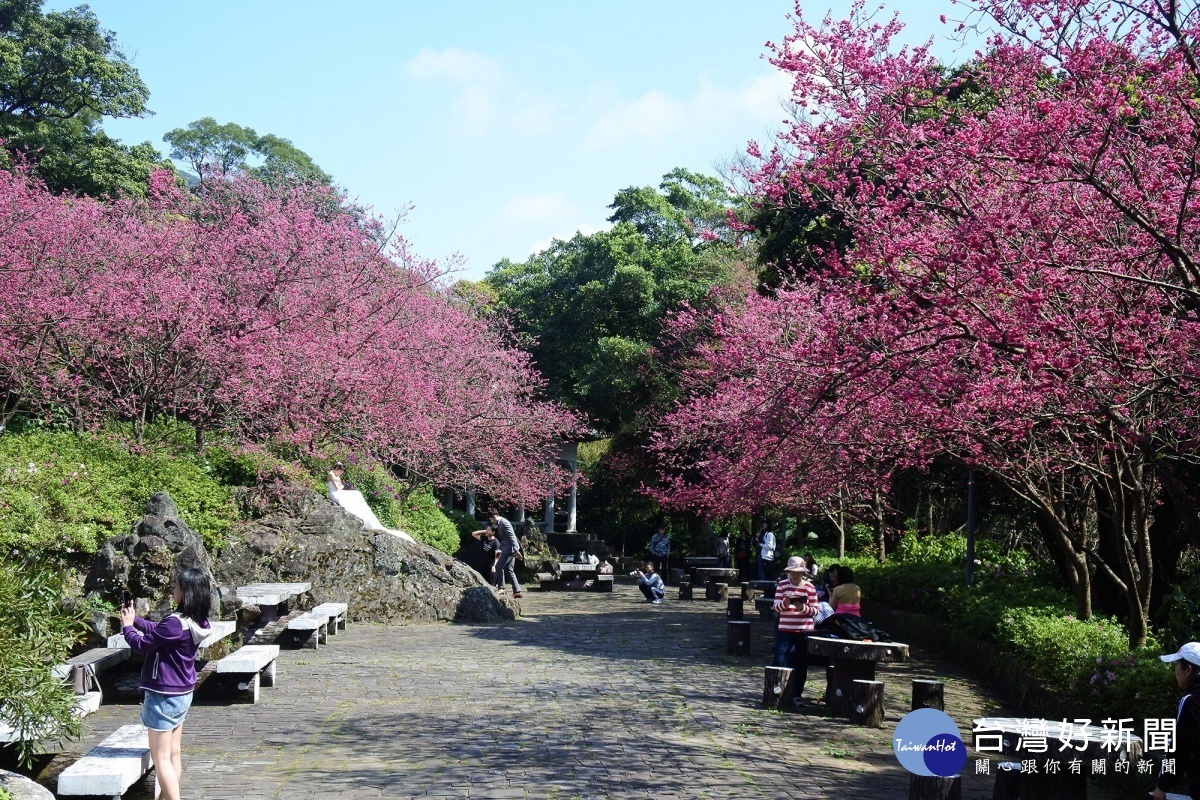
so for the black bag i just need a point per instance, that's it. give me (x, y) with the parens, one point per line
(849, 626)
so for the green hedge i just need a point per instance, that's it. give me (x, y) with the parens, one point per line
(1018, 605)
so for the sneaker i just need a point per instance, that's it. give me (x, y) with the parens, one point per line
(655, 601)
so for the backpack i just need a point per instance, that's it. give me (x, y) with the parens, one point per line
(848, 626)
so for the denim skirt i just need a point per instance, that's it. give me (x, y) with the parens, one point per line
(164, 712)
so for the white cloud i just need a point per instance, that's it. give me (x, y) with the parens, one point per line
(487, 97)
(656, 117)
(453, 64)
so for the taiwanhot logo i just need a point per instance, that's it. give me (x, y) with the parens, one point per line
(928, 742)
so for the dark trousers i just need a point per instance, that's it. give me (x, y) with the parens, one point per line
(652, 594)
(791, 651)
(661, 566)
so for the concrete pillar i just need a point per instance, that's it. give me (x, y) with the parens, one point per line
(471, 502)
(572, 499)
(548, 515)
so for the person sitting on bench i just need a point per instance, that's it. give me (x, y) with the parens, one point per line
(651, 584)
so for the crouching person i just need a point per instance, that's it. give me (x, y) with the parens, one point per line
(651, 584)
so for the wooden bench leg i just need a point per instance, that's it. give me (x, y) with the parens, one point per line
(332, 627)
(323, 630)
(313, 642)
(268, 675)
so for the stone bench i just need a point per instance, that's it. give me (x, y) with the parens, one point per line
(83, 668)
(252, 665)
(604, 583)
(271, 598)
(221, 629)
(84, 704)
(111, 767)
(336, 612)
(309, 630)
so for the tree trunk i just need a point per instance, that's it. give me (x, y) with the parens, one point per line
(921, 787)
(866, 703)
(778, 692)
(880, 528)
(199, 441)
(716, 591)
(928, 694)
(685, 590)
(734, 609)
(737, 638)
(1123, 552)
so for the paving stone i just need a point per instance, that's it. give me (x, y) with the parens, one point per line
(589, 695)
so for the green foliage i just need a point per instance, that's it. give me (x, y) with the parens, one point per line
(1015, 603)
(464, 524)
(62, 492)
(1181, 611)
(422, 518)
(211, 148)
(594, 306)
(60, 75)
(37, 632)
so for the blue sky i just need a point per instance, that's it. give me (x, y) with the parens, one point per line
(503, 125)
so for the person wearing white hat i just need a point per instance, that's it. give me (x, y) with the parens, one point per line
(1187, 722)
(796, 602)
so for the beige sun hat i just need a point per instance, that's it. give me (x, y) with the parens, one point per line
(796, 564)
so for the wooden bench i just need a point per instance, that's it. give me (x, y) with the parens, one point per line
(604, 583)
(765, 606)
(336, 612)
(111, 767)
(251, 665)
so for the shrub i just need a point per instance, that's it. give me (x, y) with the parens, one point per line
(62, 492)
(421, 517)
(36, 632)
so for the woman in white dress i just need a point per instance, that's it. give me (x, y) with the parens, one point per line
(333, 481)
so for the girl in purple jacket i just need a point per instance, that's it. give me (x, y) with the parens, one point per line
(169, 671)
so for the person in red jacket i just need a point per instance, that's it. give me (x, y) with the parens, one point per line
(169, 671)
(796, 602)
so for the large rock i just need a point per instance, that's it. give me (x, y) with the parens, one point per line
(381, 577)
(145, 560)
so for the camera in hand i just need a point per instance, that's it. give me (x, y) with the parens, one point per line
(126, 599)
(635, 573)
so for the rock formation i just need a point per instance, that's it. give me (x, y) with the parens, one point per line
(381, 577)
(305, 538)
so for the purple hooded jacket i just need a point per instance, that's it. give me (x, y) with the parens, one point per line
(170, 650)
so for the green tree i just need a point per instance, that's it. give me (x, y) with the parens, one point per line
(213, 149)
(60, 75)
(594, 306)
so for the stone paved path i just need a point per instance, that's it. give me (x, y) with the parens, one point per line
(588, 696)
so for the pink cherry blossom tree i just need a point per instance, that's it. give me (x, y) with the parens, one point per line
(1017, 293)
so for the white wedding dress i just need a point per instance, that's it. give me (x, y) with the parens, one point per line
(354, 503)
